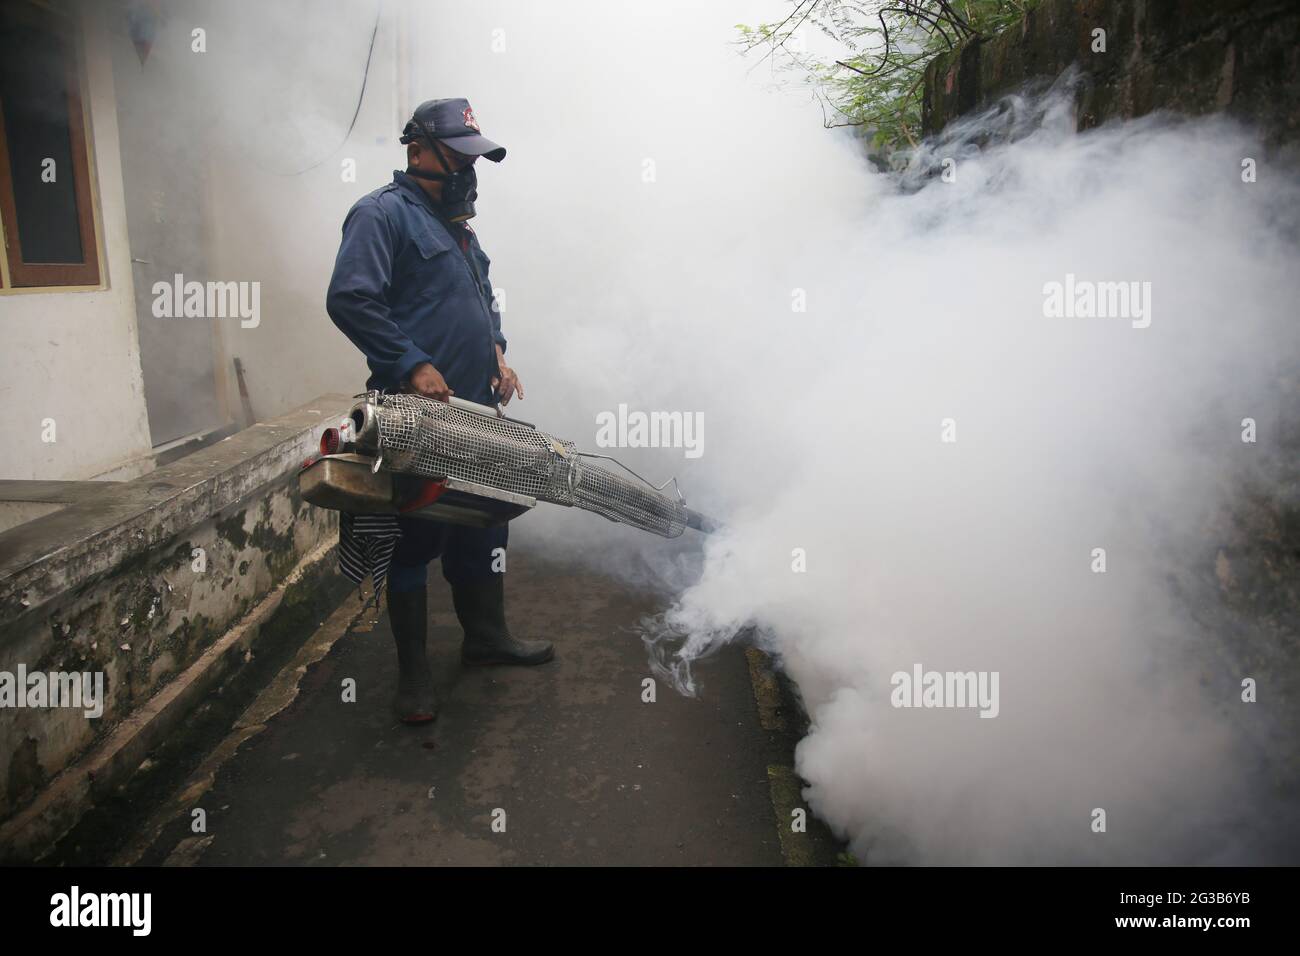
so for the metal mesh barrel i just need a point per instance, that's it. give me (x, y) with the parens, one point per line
(420, 436)
(619, 496)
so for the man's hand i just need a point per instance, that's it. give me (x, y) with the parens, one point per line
(507, 383)
(428, 381)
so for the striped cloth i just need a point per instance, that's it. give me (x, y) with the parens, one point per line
(366, 544)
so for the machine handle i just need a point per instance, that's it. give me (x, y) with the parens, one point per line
(489, 410)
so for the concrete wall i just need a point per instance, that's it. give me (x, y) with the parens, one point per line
(279, 196)
(110, 584)
(210, 150)
(1188, 56)
(234, 168)
(73, 356)
(182, 359)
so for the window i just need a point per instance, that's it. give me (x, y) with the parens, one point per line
(45, 207)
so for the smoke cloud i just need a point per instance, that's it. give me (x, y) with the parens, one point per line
(925, 309)
(672, 234)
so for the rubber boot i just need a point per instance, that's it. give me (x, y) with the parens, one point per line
(408, 613)
(481, 609)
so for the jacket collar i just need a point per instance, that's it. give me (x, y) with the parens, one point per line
(411, 190)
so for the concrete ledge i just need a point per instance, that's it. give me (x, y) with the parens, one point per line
(46, 557)
(61, 492)
(58, 807)
(137, 582)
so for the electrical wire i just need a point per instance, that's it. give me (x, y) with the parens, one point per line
(365, 77)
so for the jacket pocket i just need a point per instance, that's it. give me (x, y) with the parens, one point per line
(429, 244)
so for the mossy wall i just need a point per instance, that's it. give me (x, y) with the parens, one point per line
(148, 621)
(1189, 56)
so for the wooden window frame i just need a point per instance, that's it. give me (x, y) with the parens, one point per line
(27, 275)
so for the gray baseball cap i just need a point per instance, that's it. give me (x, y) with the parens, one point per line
(452, 122)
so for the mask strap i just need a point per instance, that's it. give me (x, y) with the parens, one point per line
(434, 146)
(437, 148)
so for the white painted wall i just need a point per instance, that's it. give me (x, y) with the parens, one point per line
(276, 89)
(73, 356)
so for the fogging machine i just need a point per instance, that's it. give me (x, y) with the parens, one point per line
(466, 463)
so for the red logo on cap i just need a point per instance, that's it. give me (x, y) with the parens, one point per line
(470, 121)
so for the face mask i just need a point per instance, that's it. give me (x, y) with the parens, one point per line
(459, 190)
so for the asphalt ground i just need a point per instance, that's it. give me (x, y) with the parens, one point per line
(565, 763)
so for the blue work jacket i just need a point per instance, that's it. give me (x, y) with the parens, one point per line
(404, 293)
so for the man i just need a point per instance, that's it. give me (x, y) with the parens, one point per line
(410, 289)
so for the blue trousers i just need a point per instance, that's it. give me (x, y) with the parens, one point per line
(467, 553)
